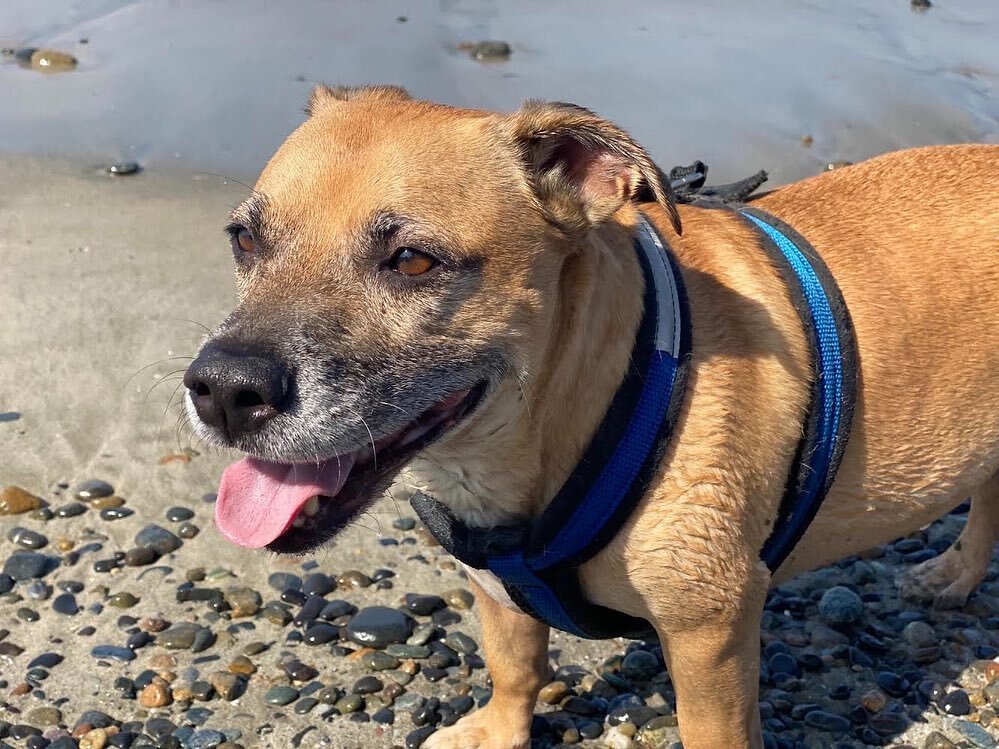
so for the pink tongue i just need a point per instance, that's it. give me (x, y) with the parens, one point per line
(258, 500)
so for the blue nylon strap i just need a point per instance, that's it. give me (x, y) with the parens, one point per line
(830, 392)
(513, 570)
(620, 471)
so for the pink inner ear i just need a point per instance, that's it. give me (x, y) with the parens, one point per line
(598, 173)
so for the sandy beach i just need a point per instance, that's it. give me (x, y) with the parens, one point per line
(108, 283)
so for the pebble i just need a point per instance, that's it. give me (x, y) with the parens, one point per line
(553, 692)
(318, 584)
(123, 600)
(155, 695)
(920, 6)
(459, 598)
(354, 579)
(14, 500)
(280, 695)
(157, 538)
(422, 605)
(188, 530)
(179, 514)
(367, 685)
(415, 739)
(25, 565)
(228, 685)
(114, 652)
(404, 523)
(70, 510)
(828, 722)
(919, 635)
(44, 716)
(111, 514)
(491, 51)
(243, 601)
(92, 489)
(140, 556)
(377, 626)
(27, 539)
(179, 636)
(956, 703)
(639, 665)
(936, 740)
(123, 168)
(320, 634)
(839, 606)
(107, 503)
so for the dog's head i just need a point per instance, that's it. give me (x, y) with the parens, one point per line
(397, 263)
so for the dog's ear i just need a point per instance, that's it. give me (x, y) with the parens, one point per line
(323, 95)
(583, 167)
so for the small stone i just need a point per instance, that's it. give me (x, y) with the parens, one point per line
(179, 514)
(228, 685)
(70, 510)
(299, 671)
(108, 503)
(956, 703)
(920, 6)
(462, 643)
(828, 722)
(379, 661)
(27, 539)
(640, 665)
(554, 692)
(153, 624)
(155, 695)
(919, 635)
(491, 51)
(459, 598)
(140, 556)
(123, 600)
(158, 538)
(377, 626)
(367, 685)
(242, 665)
(404, 523)
(14, 500)
(243, 601)
(44, 716)
(423, 605)
(280, 695)
(354, 579)
(320, 634)
(351, 703)
(188, 530)
(46, 660)
(180, 636)
(91, 489)
(977, 735)
(66, 604)
(318, 584)
(276, 614)
(123, 168)
(415, 739)
(114, 652)
(839, 606)
(110, 514)
(25, 565)
(874, 701)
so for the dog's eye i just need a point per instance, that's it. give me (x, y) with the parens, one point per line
(411, 262)
(245, 241)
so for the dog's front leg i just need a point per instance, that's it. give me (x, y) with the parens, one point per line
(715, 669)
(516, 649)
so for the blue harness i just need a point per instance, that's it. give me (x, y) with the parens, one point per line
(538, 560)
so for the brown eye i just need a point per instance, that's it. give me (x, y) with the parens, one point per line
(246, 241)
(411, 262)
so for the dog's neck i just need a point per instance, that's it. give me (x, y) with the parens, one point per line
(512, 460)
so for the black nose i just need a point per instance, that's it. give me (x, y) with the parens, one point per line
(236, 392)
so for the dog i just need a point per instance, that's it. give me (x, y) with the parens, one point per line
(448, 299)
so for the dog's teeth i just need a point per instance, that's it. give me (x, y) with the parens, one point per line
(298, 522)
(312, 506)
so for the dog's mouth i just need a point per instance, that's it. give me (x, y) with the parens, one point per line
(292, 508)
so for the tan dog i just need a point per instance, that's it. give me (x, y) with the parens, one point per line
(456, 291)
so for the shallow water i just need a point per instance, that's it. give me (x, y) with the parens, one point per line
(216, 86)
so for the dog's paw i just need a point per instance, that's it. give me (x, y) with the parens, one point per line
(943, 581)
(481, 730)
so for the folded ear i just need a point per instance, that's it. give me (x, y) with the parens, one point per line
(322, 95)
(583, 167)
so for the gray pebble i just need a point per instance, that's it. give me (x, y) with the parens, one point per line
(25, 565)
(92, 489)
(123, 168)
(280, 695)
(179, 514)
(27, 539)
(839, 606)
(70, 510)
(377, 626)
(158, 538)
(66, 604)
(492, 51)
